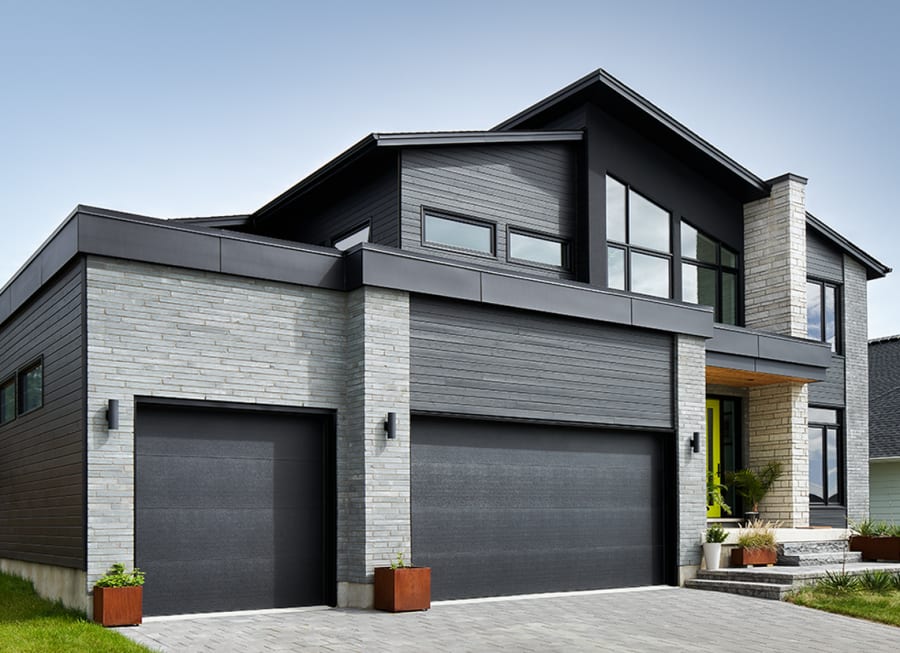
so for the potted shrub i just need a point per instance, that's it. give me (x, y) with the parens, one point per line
(712, 547)
(753, 486)
(714, 494)
(756, 545)
(876, 540)
(402, 587)
(119, 597)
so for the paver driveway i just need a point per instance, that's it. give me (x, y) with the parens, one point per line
(654, 619)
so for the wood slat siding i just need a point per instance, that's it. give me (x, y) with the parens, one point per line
(822, 260)
(42, 453)
(527, 186)
(829, 392)
(477, 360)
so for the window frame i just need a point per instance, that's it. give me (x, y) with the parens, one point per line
(627, 247)
(823, 427)
(11, 379)
(838, 348)
(566, 250)
(20, 392)
(463, 219)
(719, 268)
(347, 233)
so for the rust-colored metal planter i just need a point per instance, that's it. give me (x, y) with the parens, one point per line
(118, 606)
(876, 548)
(744, 557)
(402, 589)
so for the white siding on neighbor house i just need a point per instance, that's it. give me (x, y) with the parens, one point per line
(884, 491)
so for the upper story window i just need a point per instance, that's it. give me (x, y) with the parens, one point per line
(537, 249)
(353, 237)
(709, 274)
(825, 462)
(8, 400)
(31, 387)
(822, 320)
(639, 243)
(464, 234)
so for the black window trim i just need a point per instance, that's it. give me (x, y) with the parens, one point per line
(838, 312)
(37, 362)
(718, 267)
(14, 379)
(351, 231)
(841, 454)
(465, 219)
(539, 235)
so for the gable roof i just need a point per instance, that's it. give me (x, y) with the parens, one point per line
(875, 269)
(884, 397)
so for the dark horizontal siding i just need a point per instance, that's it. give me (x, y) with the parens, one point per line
(476, 360)
(822, 260)
(829, 392)
(530, 186)
(42, 453)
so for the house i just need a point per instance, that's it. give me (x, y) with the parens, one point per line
(511, 354)
(884, 429)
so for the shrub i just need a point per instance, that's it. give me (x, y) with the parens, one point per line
(758, 535)
(118, 577)
(877, 580)
(715, 534)
(839, 583)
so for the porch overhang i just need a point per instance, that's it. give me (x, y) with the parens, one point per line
(744, 358)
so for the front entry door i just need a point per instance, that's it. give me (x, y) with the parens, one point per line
(714, 447)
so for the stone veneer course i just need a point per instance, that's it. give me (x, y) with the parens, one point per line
(691, 398)
(856, 355)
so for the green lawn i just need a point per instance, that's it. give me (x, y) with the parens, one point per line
(883, 607)
(30, 624)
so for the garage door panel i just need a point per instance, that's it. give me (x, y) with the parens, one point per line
(505, 508)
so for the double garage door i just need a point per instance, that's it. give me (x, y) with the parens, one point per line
(501, 508)
(232, 509)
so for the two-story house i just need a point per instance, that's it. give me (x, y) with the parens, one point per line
(511, 354)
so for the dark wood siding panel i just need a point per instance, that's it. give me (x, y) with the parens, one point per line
(42, 453)
(527, 186)
(822, 261)
(477, 360)
(829, 392)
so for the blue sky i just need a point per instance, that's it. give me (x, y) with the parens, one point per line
(209, 107)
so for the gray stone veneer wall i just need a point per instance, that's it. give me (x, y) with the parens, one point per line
(856, 356)
(691, 389)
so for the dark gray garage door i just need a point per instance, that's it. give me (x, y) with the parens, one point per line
(231, 509)
(501, 508)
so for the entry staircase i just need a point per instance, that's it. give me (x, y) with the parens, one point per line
(804, 556)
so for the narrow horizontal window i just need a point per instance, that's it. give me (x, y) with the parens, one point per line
(8, 400)
(823, 415)
(31, 387)
(459, 233)
(542, 250)
(355, 237)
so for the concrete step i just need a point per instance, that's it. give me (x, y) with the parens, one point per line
(771, 591)
(820, 546)
(817, 558)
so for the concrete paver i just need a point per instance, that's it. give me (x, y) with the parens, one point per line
(655, 619)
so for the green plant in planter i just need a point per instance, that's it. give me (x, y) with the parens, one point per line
(118, 577)
(758, 535)
(715, 534)
(753, 486)
(714, 495)
(399, 563)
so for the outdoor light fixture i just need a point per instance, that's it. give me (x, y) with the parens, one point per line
(390, 426)
(112, 414)
(695, 442)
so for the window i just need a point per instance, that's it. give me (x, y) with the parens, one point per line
(822, 312)
(353, 237)
(8, 400)
(537, 249)
(825, 463)
(31, 387)
(709, 274)
(459, 233)
(639, 242)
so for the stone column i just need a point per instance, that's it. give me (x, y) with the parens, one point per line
(856, 356)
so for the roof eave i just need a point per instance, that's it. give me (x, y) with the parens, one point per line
(875, 269)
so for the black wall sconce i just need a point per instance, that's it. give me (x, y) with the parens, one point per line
(112, 414)
(390, 426)
(695, 442)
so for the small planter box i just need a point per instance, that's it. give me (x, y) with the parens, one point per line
(402, 589)
(876, 548)
(742, 557)
(118, 606)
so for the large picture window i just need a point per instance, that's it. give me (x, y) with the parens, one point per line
(822, 319)
(709, 274)
(639, 242)
(825, 457)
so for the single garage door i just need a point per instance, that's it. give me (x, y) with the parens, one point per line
(231, 509)
(501, 508)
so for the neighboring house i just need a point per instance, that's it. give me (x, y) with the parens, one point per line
(553, 311)
(884, 429)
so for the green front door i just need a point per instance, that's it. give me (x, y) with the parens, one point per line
(714, 447)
